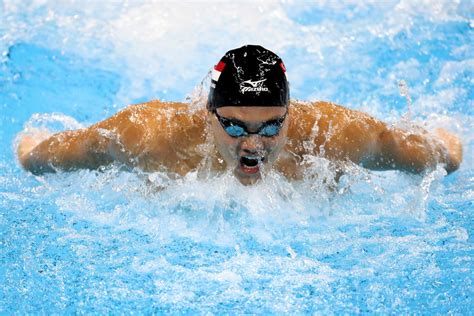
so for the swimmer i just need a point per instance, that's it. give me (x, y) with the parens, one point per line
(250, 126)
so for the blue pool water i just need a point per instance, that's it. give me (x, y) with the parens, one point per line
(108, 242)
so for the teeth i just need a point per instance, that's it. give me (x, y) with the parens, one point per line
(251, 161)
(251, 158)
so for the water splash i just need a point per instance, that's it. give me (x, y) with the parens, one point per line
(198, 97)
(403, 90)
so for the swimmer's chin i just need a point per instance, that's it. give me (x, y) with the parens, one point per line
(247, 179)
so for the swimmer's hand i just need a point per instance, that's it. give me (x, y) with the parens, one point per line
(28, 142)
(453, 148)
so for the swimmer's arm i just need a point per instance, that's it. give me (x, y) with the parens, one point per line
(114, 139)
(358, 137)
(415, 152)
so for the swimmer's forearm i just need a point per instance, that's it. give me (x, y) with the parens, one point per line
(414, 153)
(65, 151)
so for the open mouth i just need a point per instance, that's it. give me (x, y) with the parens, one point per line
(251, 164)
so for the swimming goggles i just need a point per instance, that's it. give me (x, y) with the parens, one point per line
(236, 128)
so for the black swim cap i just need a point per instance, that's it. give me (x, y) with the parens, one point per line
(249, 76)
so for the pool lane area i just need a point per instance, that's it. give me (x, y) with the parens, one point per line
(107, 242)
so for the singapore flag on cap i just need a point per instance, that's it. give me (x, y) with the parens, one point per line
(216, 72)
(282, 65)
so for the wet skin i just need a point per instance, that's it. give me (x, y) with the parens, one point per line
(173, 137)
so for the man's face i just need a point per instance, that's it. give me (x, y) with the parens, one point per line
(249, 155)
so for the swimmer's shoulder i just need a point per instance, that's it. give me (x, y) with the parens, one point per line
(324, 114)
(312, 123)
(156, 134)
(307, 116)
(156, 108)
(160, 113)
(179, 130)
(303, 110)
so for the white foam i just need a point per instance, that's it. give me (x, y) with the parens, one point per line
(160, 46)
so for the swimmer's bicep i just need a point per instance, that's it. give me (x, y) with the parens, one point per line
(355, 136)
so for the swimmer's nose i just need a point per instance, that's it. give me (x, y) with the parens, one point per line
(252, 144)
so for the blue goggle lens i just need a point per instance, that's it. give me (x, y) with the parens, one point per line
(270, 130)
(235, 129)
